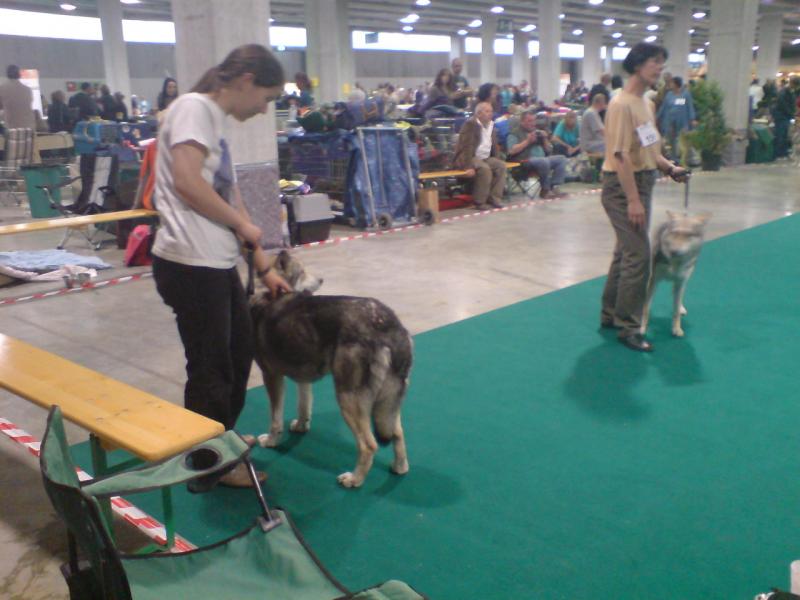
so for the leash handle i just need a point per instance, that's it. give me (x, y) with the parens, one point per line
(251, 268)
(686, 190)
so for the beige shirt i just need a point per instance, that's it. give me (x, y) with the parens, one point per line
(16, 100)
(485, 147)
(627, 112)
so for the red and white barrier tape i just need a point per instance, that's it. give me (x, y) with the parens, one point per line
(139, 519)
(75, 290)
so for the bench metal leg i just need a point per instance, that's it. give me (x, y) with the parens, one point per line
(100, 468)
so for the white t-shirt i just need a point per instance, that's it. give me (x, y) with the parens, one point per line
(185, 236)
(485, 147)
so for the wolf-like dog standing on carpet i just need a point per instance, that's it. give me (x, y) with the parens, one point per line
(360, 341)
(676, 246)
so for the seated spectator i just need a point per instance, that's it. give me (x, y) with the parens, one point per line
(478, 152)
(303, 84)
(529, 142)
(566, 135)
(443, 92)
(169, 91)
(58, 113)
(592, 133)
(490, 92)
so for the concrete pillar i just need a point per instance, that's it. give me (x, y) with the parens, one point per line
(549, 71)
(329, 52)
(768, 59)
(205, 32)
(733, 29)
(458, 49)
(608, 66)
(591, 66)
(677, 39)
(488, 58)
(521, 62)
(115, 55)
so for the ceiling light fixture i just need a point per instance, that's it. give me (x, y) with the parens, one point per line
(412, 18)
(509, 36)
(755, 48)
(652, 27)
(408, 28)
(423, 2)
(699, 14)
(462, 32)
(562, 16)
(795, 41)
(595, 2)
(496, 9)
(528, 27)
(653, 8)
(691, 32)
(616, 35)
(577, 31)
(66, 6)
(620, 44)
(609, 22)
(131, 1)
(706, 44)
(475, 23)
(650, 38)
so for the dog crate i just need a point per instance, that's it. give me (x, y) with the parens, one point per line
(321, 160)
(310, 218)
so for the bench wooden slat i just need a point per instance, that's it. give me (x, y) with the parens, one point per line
(456, 172)
(58, 223)
(119, 414)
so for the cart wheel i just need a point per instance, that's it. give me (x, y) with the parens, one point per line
(427, 217)
(384, 221)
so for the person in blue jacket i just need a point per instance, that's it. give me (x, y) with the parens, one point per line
(676, 115)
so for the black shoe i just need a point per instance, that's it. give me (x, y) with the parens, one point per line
(636, 341)
(496, 204)
(480, 206)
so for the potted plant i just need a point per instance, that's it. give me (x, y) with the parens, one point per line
(711, 136)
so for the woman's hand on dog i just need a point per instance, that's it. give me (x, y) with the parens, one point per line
(276, 284)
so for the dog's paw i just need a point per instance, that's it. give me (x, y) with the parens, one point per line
(349, 480)
(298, 426)
(677, 331)
(683, 310)
(269, 440)
(400, 467)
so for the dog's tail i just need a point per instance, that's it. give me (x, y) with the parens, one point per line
(390, 394)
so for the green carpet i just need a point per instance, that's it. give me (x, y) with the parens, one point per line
(548, 461)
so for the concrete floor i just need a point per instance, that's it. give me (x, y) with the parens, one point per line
(431, 276)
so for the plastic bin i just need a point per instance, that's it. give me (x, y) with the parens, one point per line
(310, 218)
(36, 175)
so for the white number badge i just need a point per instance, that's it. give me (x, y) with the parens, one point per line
(647, 134)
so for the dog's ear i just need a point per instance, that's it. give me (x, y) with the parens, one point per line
(282, 261)
(703, 217)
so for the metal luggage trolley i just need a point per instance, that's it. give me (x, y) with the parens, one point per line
(321, 159)
(389, 176)
(437, 143)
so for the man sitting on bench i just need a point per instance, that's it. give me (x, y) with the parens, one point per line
(529, 143)
(478, 151)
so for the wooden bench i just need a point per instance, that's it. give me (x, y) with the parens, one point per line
(115, 414)
(81, 221)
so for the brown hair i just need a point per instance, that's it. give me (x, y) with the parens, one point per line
(451, 84)
(250, 58)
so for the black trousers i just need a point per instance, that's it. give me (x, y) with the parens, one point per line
(211, 309)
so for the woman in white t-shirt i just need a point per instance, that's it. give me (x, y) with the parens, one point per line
(203, 222)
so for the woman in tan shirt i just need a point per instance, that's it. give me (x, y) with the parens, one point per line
(632, 160)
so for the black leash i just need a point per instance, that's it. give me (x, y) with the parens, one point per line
(251, 268)
(686, 190)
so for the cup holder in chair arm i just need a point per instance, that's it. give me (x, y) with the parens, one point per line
(202, 455)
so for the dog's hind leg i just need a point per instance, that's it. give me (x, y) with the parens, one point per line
(678, 289)
(276, 388)
(386, 417)
(304, 404)
(352, 405)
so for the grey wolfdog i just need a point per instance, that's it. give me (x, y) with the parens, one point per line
(360, 341)
(676, 246)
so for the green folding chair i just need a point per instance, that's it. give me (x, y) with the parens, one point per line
(268, 560)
